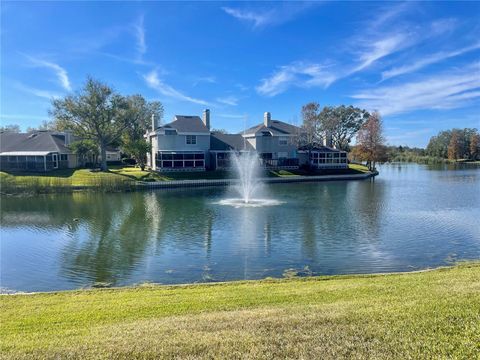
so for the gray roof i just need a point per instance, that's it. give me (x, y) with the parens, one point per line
(277, 127)
(34, 141)
(184, 123)
(219, 141)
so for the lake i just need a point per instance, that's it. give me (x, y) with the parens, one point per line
(410, 217)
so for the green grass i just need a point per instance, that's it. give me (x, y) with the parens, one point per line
(121, 177)
(432, 314)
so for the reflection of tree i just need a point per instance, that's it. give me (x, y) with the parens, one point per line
(118, 232)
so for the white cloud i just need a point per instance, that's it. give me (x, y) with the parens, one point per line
(204, 79)
(60, 72)
(379, 49)
(297, 74)
(228, 100)
(139, 29)
(432, 59)
(157, 84)
(445, 91)
(262, 17)
(46, 94)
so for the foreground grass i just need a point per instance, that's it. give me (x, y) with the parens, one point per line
(434, 314)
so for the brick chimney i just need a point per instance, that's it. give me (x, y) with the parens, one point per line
(267, 118)
(206, 118)
(154, 123)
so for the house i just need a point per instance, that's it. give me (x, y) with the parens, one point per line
(275, 142)
(182, 144)
(323, 157)
(36, 151)
(222, 146)
(187, 143)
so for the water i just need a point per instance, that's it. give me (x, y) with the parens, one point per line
(251, 190)
(411, 217)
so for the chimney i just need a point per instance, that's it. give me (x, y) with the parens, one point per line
(206, 118)
(267, 118)
(327, 139)
(154, 123)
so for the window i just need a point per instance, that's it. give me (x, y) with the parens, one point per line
(283, 140)
(64, 157)
(191, 139)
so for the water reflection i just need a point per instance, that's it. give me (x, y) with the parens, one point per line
(409, 217)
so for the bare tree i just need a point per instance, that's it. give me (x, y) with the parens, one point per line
(370, 141)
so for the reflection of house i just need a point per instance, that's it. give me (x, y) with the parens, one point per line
(187, 144)
(36, 151)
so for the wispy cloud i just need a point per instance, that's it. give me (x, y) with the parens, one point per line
(228, 100)
(139, 31)
(450, 90)
(379, 49)
(428, 60)
(60, 72)
(408, 136)
(46, 94)
(260, 16)
(299, 74)
(204, 79)
(152, 79)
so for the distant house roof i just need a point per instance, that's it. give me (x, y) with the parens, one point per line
(276, 127)
(184, 123)
(320, 149)
(38, 141)
(219, 141)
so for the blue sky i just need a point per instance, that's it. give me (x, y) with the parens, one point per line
(416, 63)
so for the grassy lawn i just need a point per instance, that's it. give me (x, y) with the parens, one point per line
(86, 177)
(433, 314)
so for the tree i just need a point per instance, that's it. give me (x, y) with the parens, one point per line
(84, 149)
(455, 146)
(96, 113)
(139, 113)
(45, 125)
(310, 133)
(475, 146)
(342, 123)
(14, 128)
(370, 141)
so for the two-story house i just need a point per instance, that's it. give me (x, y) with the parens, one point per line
(182, 144)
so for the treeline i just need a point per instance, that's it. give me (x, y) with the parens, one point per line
(447, 146)
(455, 144)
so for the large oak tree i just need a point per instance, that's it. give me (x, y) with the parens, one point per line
(96, 113)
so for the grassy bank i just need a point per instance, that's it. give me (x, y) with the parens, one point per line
(433, 314)
(120, 178)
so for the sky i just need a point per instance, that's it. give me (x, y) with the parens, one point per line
(417, 63)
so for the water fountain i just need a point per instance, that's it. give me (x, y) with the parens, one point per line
(249, 186)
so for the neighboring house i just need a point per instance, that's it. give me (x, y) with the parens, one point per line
(275, 142)
(222, 146)
(323, 157)
(187, 144)
(183, 144)
(36, 151)
(113, 155)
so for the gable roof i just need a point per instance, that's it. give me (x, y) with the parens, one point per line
(321, 149)
(46, 141)
(276, 127)
(219, 141)
(185, 123)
